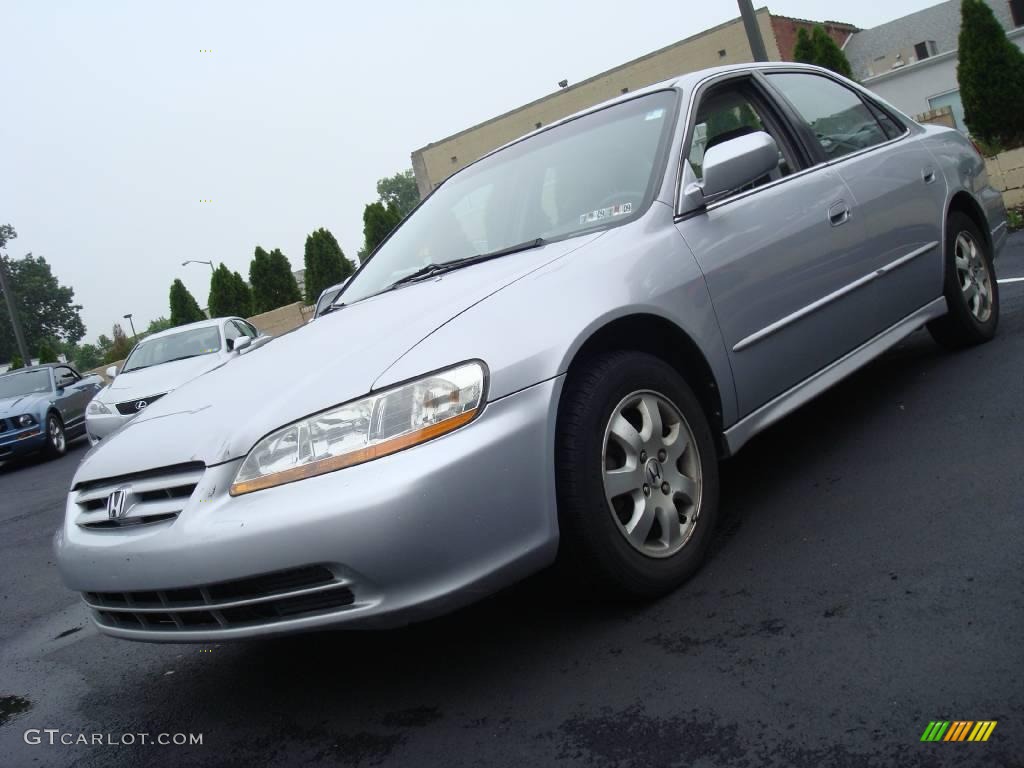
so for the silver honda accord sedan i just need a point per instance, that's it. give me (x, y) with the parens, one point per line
(545, 360)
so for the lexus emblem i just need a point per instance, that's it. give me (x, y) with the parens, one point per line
(117, 504)
(140, 405)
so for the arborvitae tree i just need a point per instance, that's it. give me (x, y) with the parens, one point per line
(272, 281)
(991, 76)
(184, 308)
(17, 362)
(261, 281)
(803, 51)
(378, 223)
(229, 295)
(287, 289)
(828, 54)
(326, 265)
(46, 353)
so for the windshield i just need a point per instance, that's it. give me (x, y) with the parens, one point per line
(27, 383)
(585, 175)
(199, 341)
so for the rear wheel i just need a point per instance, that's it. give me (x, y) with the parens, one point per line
(637, 476)
(56, 440)
(971, 290)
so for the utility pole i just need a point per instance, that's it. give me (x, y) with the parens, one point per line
(13, 310)
(753, 30)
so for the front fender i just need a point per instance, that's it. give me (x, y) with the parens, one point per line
(530, 331)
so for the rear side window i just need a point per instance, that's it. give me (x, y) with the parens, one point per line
(841, 121)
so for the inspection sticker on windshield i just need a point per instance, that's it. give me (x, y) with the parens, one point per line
(606, 213)
(655, 114)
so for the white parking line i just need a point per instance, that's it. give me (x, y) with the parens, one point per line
(1011, 280)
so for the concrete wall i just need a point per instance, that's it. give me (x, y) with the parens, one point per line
(280, 321)
(436, 162)
(1006, 173)
(941, 116)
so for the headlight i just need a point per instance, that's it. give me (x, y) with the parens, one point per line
(28, 420)
(365, 429)
(96, 408)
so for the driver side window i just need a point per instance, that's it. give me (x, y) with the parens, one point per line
(728, 112)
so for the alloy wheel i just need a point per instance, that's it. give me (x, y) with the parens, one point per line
(56, 435)
(973, 274)
(652, 474)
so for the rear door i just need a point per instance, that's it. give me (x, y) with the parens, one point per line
(892, 179)
(779, 258)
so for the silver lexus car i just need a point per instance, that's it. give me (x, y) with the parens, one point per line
(162, 362)
(545, 360)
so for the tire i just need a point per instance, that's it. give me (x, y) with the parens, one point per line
(970, 288)
(595, 549)
(56, 439)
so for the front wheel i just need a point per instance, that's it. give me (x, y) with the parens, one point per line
(637, 476)
(56, 440)
(971, 289)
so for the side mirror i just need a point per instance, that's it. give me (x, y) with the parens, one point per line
(111, 371)
(734, 164)
(241, 343)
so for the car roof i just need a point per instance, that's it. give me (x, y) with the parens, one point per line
(40, 367)
(213, 321)
(683, 82)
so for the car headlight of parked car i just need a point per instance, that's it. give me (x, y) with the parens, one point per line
(26, 420)
(96, 408)
(365, 429)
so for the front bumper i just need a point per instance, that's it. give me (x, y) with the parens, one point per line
(22, 441)
(104, 425)
(411, 535)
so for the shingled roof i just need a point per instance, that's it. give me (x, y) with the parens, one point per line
(940, 23)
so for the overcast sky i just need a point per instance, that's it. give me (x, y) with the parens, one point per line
(116, 126)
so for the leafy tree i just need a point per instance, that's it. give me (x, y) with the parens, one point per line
(378, 222)
(819, 48)
(45, 307)
(16, 362)
(46, 353)
(272, 281)
(325, 263)
(87, 357)
(119, 347)
(229, 295)
(400, 191)
(991, 76)
(155, 326)
(184, 308)
(828, 52)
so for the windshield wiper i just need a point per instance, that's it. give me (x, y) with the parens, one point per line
(450, 266)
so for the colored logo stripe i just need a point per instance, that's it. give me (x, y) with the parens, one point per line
(958, 730)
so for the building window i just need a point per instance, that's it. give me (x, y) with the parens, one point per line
(1017, 11)
(454, 159)
(625, 90)
(536, 125)
(721, 53)
(925, 50)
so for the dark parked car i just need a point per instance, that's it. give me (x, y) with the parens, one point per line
(42, 408)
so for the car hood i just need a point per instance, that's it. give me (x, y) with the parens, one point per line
(158, 379)
(19, 404)
(220, 415)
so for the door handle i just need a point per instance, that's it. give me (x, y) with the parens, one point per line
(928, 174)
(838, 213)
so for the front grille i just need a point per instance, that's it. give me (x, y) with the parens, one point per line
(146, 498)
(262, 599)
(4, 426)
(131, 407)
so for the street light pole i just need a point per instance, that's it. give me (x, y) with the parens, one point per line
(753, 30)
(196, 261)
(13, 310)
(128, 317)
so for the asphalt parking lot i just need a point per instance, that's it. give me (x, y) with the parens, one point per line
(866, 578)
